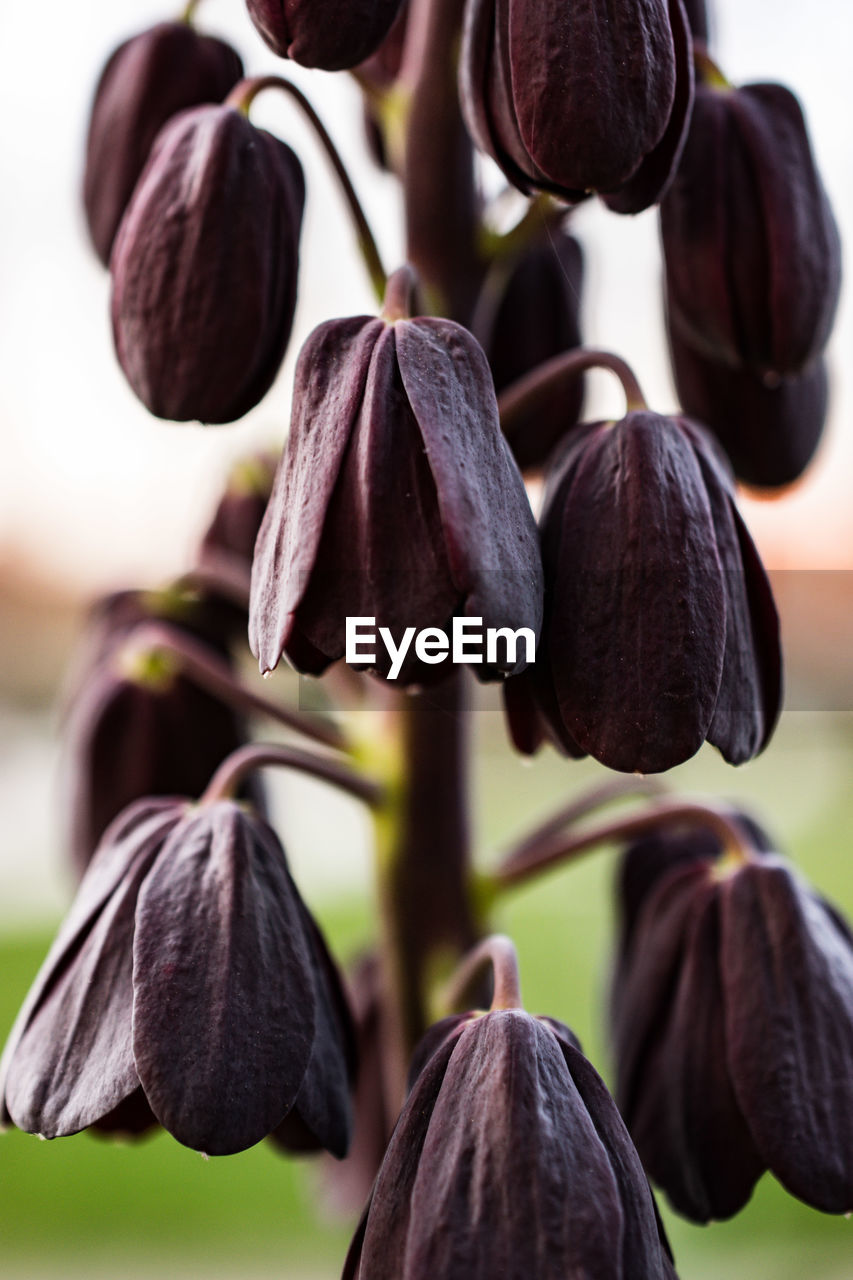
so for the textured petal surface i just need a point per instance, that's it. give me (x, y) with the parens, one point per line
(698, 1145)
(787, 972)
(650, 182)
(803, 246)
(513, 1179)
(751, 247)
(635, 631)
(329, 384)
(382, 553)
(322, 1114)
(224, 1007)
(148, 79)
(644, 986)
(378, 1251)
(327, 34)
(489, 529)
(200, 333)
(68, 1061)
(747, 704)
(593, 85)
(645, 1249)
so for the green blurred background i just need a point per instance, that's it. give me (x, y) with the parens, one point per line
(85, 1205)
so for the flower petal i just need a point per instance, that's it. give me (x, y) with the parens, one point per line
(223, 995)
(787, 972)
(68, 1062)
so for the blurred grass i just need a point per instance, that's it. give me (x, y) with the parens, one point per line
(86, 1205)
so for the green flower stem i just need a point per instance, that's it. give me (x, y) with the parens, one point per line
(241, 98)
(423, 837)
(542, 213)
(708, 72)
(226, 782)
(399, 295)
(188, 14)
(196, 662)
(582, 806)
(423, 858)
(441, 197)
(497, 951)
(555, 850)
(522, 397)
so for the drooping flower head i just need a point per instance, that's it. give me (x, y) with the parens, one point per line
(204, 267)
(510, 1159)
(733, 1025)
(660, 630)
(188, 985)
(396, 498)
(752, 254)
(135, 724)
(574, 99)
(327, 34)
(147, 80)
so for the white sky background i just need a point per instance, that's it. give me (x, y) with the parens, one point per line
(95, 492)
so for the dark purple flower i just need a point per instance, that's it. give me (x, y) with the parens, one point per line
(509, 1159)
(233, 530)
(204, 267)
(396, 498)
(528, 312)
(134, 724)
(148, 79)
(733, 1027)
(660, 630)
(327, 34)
(188, 986)
(753, 260)
(572, 99)
(770, 428)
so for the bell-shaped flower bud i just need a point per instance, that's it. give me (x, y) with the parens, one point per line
(509, 1159)
(148, 79)
(574, 99)
(396, 498)
(753, 260)
(204, 267)
(528, 312)
(234, 528)
(770, 428)
(733, 1007)
(134, 724)
(189, 980)
(660, 630)
(324, 33)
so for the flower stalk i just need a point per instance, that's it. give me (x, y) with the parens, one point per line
(241, 98)
(532, 859)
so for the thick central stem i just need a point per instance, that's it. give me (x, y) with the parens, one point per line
(425, 866)
(442, 204)
(428, 888)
